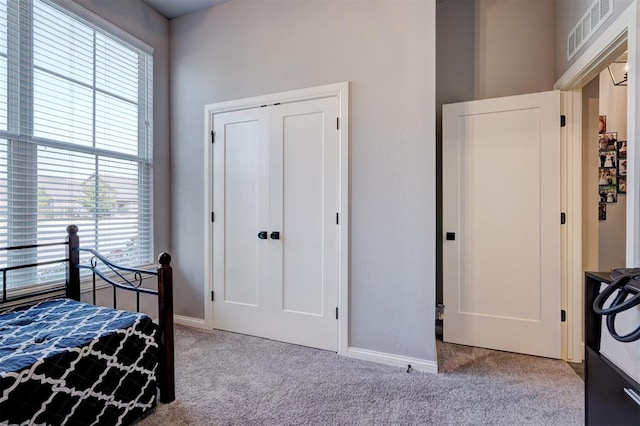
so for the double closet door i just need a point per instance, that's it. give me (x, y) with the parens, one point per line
(275, 243)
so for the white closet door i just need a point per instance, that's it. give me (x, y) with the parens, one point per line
(241, 202)
(276, 169)
(304, 202)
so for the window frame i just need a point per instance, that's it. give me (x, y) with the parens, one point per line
(23, 144)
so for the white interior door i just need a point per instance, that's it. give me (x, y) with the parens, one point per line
(276, 170)
(501, 204)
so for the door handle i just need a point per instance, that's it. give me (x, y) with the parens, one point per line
(275, 235)
(262, 235)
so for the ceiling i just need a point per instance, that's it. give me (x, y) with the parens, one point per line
(175, 8)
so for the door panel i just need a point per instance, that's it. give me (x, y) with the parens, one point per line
(304, 189)
(302, 212)
(240, 200)
(242, 212)
(501, 180)
(497, 221)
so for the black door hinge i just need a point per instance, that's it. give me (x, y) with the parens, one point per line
(337, 218)
(337, 123)
(213, 137)
(563, 315)
(563, 120)
(336, 312)
(563, 218)
(213, 217)
(213, 296)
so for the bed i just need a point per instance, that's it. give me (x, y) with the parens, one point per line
(63, 361)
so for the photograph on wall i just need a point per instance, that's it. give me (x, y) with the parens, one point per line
(602, 211)
(608, 141)
(602, 124)
(607, 176)
(622, 149)
(608, 193)
(608, 158)
(622, 167)
(622, 185)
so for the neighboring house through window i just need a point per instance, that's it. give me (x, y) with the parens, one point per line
(75, 138)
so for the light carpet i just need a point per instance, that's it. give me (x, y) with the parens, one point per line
(231, 379)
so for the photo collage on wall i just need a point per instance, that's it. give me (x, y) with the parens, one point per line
(612, 170)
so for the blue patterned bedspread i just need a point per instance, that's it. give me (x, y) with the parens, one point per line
(52, 327)
(66, 362)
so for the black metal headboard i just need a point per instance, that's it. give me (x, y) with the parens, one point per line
(35, 293)
(118, 276)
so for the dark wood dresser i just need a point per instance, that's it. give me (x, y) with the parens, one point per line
(609, 392)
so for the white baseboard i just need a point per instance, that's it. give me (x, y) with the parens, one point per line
(189, 321)
(395, 360)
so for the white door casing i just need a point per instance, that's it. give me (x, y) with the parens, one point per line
(501, 198)
(288, 301)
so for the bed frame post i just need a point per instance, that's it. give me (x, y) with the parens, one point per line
(73, 256)
(165, 318)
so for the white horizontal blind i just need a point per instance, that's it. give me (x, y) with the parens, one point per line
(75, 139)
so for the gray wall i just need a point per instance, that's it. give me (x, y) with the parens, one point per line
(514, 44)
(147, 25)
(493, 48)
(567, 15)
(387, 51)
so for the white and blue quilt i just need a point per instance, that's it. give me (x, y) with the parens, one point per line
(67, 362)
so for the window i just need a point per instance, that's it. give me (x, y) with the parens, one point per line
(75, 139)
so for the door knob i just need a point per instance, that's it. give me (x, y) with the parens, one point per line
(275, 235)
(262, 235)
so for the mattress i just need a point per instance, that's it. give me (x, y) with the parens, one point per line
(67, 362)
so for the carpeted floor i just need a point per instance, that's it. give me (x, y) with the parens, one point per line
(231, 379)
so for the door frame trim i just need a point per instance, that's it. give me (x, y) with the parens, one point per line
(605, 48)
(571, 231)
(339, 90)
